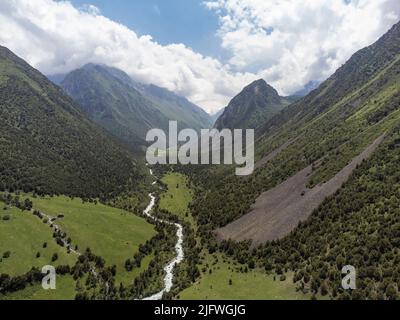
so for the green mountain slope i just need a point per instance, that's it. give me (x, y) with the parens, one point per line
(113, 104)
(353, 116)
(171, 105)
(314, 132)
(48, 145)
(257, 103)
(128, 109)
(176, 107)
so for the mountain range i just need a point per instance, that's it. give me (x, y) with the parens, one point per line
(126, 108)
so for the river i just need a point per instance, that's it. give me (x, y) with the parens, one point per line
(169, 268)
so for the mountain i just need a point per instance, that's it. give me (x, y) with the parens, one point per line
(129, 109)
(310, 86)
(328, 128)
(176, 107)
(325, 190)
(216, 115)
(114, 105)
(49, 146)
(254, 105)
(57, 78)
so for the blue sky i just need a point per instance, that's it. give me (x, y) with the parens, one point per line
(167, 21)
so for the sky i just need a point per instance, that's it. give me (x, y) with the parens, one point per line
(205, 50)
(167, 21)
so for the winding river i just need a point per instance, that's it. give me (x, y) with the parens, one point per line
(169, 268)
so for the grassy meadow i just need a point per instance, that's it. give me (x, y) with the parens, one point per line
(226, 282)
(178, 196)
(65, 290)
(24, 236)
(111, 233)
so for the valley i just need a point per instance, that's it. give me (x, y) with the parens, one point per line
(169, 268)
(76, 191)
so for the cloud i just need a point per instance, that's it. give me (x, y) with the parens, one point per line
(291, 42)
(56, 37)
(90, 9)
(286, 42)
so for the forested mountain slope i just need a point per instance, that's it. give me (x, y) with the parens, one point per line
(176, 107)
(324, 132)
(48, 145)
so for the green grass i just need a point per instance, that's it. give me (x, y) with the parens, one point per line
(24, 235)
(126, 278)
(65, 290)
(111, 233)
(7, 69)
(254, 285)
(178, 197)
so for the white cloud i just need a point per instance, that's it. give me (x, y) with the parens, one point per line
(55, 37)
(291, 42)
(91, 9)
(287, 42)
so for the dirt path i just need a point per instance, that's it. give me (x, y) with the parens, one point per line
(278, 211)
(51, 223)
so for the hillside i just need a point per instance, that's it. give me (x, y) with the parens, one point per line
(114, 104)
(171, 105)
(323, 144)
(126, 108)
(257, 103)
(48, 145)
(176, 107)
